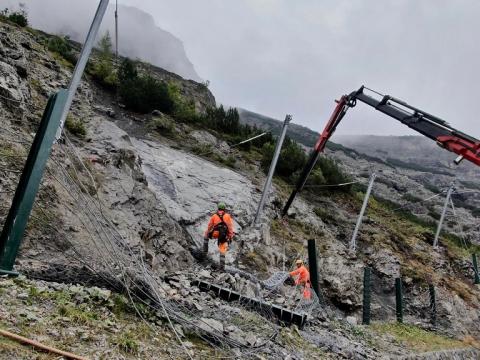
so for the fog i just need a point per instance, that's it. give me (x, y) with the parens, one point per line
(139, 37)
(281, 56)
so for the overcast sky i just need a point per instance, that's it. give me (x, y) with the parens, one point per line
(296, 56)
(284, 56)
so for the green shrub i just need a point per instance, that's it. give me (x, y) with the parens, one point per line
(163, 125)
(61, 46)
(229, 161)
(411, 198)
(325, 215)
(184, 111)
(476, 212)
(432, 188)
(19, 17)
(332, 173)
(202, 149)
(142, 93)
(227, 123)
(103, 71)
(316, 178)
(434, 214)
(292, 158)
(76, 127)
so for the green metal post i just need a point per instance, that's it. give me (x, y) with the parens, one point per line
(367, 295)
(433, 304)
(475, 269)
(313, 267)
(22, 203)
(399, 299)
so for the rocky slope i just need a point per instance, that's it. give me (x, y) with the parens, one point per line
(129, 200)
(411, 168)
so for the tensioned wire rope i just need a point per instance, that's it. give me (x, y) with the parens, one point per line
(116, 253)
(155, 300)
(148, 304)
(92, 177)
(80, 258)
(130, 296)
(330, 185)
(82, 188)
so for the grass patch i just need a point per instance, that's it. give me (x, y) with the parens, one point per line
(35, 84)
(79, 314)
(119, 304)
(293, 339)
(127, 342)
(416, 338)
(162, 125)
(404, 222)
(247, 318)
(228, 161)
(326, 216)
(76, 127)
(41, 220)
(202, 149)
(12, 155)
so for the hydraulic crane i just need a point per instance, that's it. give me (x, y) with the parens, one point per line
(465, 146)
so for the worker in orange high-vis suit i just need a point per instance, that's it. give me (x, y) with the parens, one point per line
(220, 227)
(302, 278)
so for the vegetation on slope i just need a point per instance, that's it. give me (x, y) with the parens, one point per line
(19, 17)
(417, 339)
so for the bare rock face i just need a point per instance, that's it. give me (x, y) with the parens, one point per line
(190, 187)
(13, 90)
(10, 85)
(386, 263)
(140, 218)
(208, 140)
(342, 279)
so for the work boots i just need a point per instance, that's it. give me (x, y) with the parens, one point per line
(222, 261)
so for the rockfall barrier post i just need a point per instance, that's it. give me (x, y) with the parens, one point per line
(367, 295)
(433, 304)
(313, 266)
(399, 299)
(353, 241)
(27, 188)
(475, 269)
(271, 171)
(49, 131)
(442, 217)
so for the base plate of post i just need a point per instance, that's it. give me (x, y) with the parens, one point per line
(9, 273)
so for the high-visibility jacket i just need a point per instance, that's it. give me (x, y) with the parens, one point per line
(215, 220)
(303, 276)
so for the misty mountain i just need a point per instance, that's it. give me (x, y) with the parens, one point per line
(139, 36)
(407, 152)
(411, 152)
(299, 133)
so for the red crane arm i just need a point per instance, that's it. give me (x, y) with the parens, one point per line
(466, 146)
